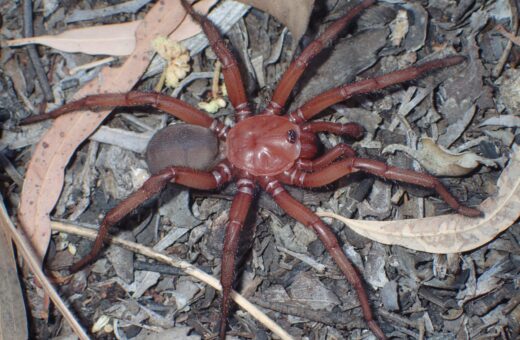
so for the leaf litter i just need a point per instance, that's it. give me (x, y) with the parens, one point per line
(500, 210)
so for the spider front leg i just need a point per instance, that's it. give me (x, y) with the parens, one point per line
(305, 216)
(232, 79)
(156, 183)
(237, 216)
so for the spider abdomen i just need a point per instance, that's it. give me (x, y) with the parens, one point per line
(184, 145)
(264, 145)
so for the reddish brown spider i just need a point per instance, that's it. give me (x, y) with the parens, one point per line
(269, 150)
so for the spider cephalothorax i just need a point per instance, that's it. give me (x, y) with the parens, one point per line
(267, 151)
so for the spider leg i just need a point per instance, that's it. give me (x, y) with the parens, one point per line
(351, 130)
(230, 69)
(306, 165)
(184, 176)
(344, 92)
(237, 216)
(172, 106)
(344, 167)
(298, 66)
(305, 216)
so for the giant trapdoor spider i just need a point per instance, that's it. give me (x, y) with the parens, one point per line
(269, 150)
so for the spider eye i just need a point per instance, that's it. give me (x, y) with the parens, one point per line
(291, 136)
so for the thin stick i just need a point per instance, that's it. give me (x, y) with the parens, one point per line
(514, 28)
(33, 53)
(24, 248)
(187, 267)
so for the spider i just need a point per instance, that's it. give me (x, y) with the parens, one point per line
(266, 151)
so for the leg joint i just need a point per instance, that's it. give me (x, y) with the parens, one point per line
(274, 188)
(246, 186)
(296, 176)
(222, 174)
(273, 108)
(296, 117)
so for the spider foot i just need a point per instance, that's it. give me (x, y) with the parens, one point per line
(374, 327)
(470, 212)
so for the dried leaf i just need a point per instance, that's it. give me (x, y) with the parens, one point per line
(439, 161)
(456, 128)
(503, 120)
(399, 27)
(13, 317)
(44, 176)
(190, 27)
(451, 233)
(293, 14)
(116, 39)
(310, 292)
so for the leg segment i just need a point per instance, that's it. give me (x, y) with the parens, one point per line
(188, 177)
(305, 216)
(298, 66)
(230, 69)
(352, 130)
(340, 150)
(339, 94)
(172, 106)
(237, 216)
(381, 169)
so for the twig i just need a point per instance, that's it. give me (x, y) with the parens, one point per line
(512, 38)
(320, 268)
(33, 54)
(514, 28)
(24, 248)
(187, 267)
(93, 64)
(10, 169)
(216, 80)
(327, 318)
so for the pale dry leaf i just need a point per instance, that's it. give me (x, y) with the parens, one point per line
(451, 233)
(399, 27)
(13, 316)
(44, 176)
(503, 120)
(190, 27)
(439, 161)
(115, 39)
(293, 14)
